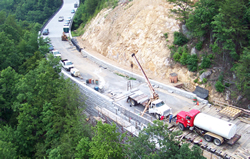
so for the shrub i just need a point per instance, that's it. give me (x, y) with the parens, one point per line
(166, 35)
(219, 86)
(227, 84)
(204, 80)
(192, 61)
(198, 46)
(201, 71)
(211, 56)
(221, 78)
(183, 59)
(179, 39)
(177, 57)
(180, 50)
(206, 62)
(173, 49)
(215, 48)
(196, 80)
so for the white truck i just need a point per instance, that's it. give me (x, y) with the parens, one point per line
(66, 64)
(157, 107)
(56, 53)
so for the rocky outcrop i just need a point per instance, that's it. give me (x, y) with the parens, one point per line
(186, 32)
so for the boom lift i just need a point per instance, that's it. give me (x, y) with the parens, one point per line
(155, 105)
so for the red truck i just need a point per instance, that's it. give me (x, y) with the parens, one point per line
(211, 128)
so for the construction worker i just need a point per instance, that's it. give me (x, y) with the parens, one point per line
(170, 117)
(162, 117)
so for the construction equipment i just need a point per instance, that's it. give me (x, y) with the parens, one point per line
(211, 128)
(64, 37)
(154, 104)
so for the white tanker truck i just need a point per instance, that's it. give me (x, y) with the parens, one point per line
(211, 128)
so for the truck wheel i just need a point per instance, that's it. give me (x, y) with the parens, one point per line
(208, 138)
(217, 142)
(181, 127)
(157, 116)
(132, 102)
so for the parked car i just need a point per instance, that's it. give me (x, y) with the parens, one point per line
(56, 53)
(46, 32)
(51, 47)
(61, 18)
(67, 21)
(72, 11)
(66, 24)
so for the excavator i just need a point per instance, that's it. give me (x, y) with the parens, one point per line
(154, 105)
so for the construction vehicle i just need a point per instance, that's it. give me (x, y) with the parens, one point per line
(154, 105)
(64, 37)
(211, 128)
(75, 72)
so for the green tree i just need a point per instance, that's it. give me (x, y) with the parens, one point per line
(83, 149)
(199, 21)
(156, 141)
(192, 61)
(183, 8)
(106, 142)
(243, 73)
(8, 80)
(7, 143)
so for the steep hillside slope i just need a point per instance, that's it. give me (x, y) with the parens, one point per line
(138, 27)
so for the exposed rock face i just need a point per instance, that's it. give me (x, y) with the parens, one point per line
(193, 51)
(205, 75)
(138, 27)
(186, 32)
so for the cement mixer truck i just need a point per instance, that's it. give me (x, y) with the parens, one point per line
(211, 128)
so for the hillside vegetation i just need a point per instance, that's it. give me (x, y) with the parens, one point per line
(41, 112)
(182, 36)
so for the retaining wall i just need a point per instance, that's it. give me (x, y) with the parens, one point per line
(93, 99)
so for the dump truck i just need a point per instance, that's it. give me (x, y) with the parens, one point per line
(211, 128)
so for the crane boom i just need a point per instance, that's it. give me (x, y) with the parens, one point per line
(154, 95)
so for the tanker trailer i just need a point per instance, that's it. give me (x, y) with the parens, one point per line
(211, 128)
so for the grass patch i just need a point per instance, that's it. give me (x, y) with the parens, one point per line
(120, 74)
(131, 78)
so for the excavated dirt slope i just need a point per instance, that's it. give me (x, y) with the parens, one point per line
(138, 27)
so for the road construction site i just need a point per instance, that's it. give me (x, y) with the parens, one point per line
(105, 89)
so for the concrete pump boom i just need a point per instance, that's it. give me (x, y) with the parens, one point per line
(154, 95)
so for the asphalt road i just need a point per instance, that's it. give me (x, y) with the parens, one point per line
(111, 82)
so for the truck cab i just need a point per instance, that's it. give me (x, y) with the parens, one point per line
(186, 119)
(159, 108)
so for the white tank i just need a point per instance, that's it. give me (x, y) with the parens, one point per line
(215, 125)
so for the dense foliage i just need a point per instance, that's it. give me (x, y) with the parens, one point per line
(156, 141)
(40, 110)
(30, 10)
(226, 24)
(88, 9)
